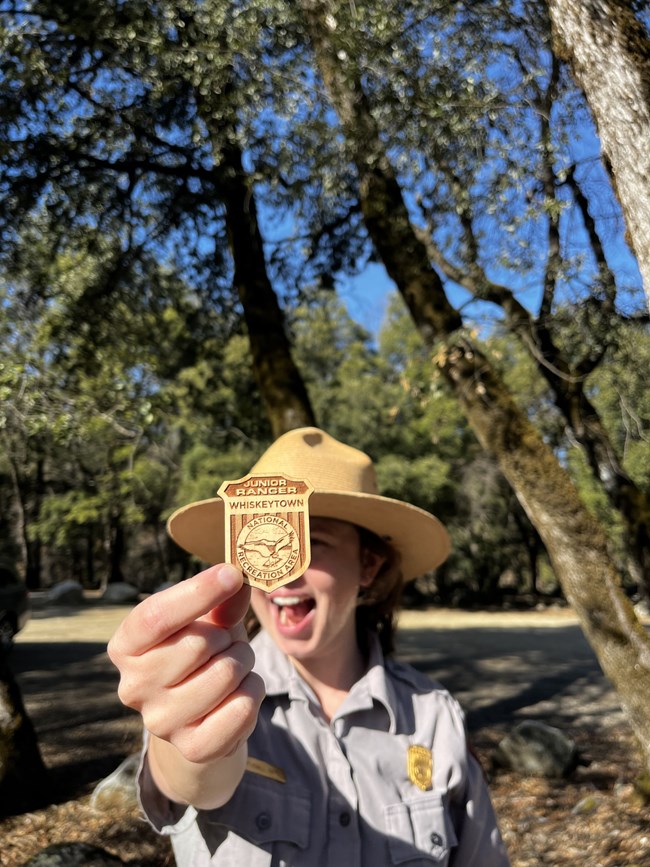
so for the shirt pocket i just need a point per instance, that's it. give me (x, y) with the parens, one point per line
(420, 831)
(266, 817)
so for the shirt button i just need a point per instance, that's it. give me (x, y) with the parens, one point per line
(436, 839)
(263, 821)
(344, 819)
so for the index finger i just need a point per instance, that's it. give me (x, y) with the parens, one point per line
(163, 614)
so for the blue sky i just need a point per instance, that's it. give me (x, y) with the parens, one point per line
(366, 296)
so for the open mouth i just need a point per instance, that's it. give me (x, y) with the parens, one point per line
(292, 610)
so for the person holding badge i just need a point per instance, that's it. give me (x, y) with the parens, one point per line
(285, 733)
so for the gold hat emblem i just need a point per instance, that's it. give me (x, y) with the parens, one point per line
(267, 528)
(420, 766)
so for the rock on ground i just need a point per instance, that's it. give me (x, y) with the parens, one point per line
(117, 791)
(534, 747)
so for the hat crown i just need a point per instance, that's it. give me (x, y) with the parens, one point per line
(329, 465)
(345, 489)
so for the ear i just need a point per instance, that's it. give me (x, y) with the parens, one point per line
(371, 563)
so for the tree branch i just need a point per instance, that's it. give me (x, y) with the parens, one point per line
(605, 274)
(553, 257)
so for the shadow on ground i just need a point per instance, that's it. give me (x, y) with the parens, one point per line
(70, 692)
(499, 675)
(502, 675)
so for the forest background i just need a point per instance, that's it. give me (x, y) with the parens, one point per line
(186, 189)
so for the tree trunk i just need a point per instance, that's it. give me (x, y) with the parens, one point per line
(89, 550)
(608, 50)
(623, 493)
(533, 545)
(32, 576)
(34, 573)
(22, 772)
(567, 386)
(281, 386)
(116, 547)
(575, 542)
(161, 553)
(30, 550)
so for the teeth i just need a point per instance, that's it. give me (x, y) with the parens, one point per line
(287, 600)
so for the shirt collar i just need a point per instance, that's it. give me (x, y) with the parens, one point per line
(277, 672)
(374, 687)
(281, 678)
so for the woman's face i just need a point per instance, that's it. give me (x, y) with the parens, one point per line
(313, 618)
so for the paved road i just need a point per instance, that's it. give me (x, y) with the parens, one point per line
(502, 667)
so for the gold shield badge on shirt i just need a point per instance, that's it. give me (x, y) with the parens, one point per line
(267, 528)
(420, 766)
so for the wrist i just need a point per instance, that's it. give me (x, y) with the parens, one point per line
(204, 785)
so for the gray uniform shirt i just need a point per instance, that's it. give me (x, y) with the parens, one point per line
(388, 781)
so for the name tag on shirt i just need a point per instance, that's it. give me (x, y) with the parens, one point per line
(264, 769)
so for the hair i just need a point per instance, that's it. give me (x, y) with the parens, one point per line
(378, 604)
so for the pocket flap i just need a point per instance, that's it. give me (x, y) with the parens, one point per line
(420, 828)
(264, 811)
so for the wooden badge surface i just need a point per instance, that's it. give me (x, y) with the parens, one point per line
(267, 528)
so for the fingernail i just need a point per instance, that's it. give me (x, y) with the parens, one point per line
(230, 578)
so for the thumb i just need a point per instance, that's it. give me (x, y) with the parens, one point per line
(232, 610)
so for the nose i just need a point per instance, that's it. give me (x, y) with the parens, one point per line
(298, 583)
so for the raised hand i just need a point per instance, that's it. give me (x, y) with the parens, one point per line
(186, 665)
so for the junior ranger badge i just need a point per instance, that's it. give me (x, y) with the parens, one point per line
(267, 528)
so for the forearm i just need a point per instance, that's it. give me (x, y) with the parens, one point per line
(205, 785)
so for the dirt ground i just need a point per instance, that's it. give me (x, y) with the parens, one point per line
(503, 667)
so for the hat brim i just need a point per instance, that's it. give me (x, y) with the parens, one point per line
(422, 541)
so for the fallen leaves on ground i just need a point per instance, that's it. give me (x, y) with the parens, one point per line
(594, 819)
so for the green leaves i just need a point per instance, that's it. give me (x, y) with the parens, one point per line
(126, 365)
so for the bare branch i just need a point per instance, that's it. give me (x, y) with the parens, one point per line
(553, 256)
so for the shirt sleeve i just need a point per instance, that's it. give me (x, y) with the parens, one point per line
(165, 816)
(479, 838)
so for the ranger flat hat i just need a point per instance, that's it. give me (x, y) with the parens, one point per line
(345, 488)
